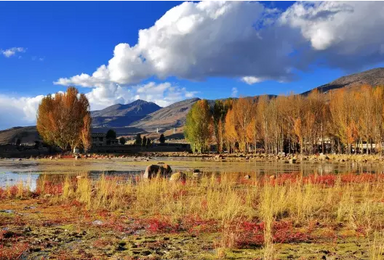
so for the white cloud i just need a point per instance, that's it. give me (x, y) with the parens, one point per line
(18, 111)
(12, 51)
(345, 35)
(251, 80)
(247, 41)
(196, 41)
(234, 92)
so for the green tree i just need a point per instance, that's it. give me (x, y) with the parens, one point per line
(122, 140)
(220, 110)
(138, 139)
(162, 139)
(144, 141)
(64, 119)
(198, 127)
(111, 134)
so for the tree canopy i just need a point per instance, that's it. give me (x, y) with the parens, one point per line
(198, 126)
(64, 120)
(162, 139)
(111, 134)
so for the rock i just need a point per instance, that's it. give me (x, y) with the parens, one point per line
(218, 157)
(178, 176)
(9, 211)
(97, 222)
(27, 229)
(153, 170)
(247, 177)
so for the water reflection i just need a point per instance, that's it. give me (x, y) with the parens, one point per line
(34, 174)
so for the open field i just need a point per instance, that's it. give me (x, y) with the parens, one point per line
(286, 216)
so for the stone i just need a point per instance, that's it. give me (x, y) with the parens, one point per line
(154, 170)
(178, 176)
(247, 177)
(97, 222)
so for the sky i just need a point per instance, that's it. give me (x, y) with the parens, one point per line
(165, 52)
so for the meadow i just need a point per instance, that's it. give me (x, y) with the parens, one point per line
(209, 216)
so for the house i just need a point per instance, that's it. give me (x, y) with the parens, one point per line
(100, 139)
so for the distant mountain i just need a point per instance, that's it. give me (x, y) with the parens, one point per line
(373, 77)
(142, 116)
(167, 117)
(122, 115)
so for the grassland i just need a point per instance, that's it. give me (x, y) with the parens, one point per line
(287, 216)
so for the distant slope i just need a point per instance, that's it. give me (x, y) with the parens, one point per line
(373, 77)
(167, 117)
(122, 115)
(27, 135)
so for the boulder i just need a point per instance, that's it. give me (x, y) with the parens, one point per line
(154, 170)
(178, 176)
(247, 177)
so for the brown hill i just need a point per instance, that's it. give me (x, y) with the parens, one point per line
(373, 77)
(27, 135)
(166, 118)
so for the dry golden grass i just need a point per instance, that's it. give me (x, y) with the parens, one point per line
(355, 203)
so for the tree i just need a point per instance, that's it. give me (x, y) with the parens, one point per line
(198, 126)
(138, 139)
(148, 142)
(162, 139)
(144, 141)
(122, 140)
(64, 120)
(86, 133)
(111, 134)
(220, 110)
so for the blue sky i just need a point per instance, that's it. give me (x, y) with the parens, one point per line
(205, 50)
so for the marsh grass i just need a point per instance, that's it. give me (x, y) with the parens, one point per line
(258, 212)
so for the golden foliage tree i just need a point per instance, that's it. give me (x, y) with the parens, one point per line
(63, 119)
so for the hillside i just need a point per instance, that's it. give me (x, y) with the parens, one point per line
(27, 135)
(167, 117)
(373, 77)
(122, 115)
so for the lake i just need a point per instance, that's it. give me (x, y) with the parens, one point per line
(27, 171)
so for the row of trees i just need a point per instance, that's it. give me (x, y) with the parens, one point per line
(341, 121)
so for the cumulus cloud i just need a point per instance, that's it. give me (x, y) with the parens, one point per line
(18, 111)
(247, 41)
(345, 35)
(195, 41)
(12, 51)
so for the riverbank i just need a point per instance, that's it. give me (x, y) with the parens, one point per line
(206, 217)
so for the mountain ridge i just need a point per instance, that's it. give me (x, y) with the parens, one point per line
(141, 116)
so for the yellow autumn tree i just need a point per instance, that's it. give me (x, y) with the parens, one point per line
(64, 119)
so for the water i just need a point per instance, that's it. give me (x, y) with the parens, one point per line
(12, 172)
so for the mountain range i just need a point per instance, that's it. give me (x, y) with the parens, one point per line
(147, 117)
